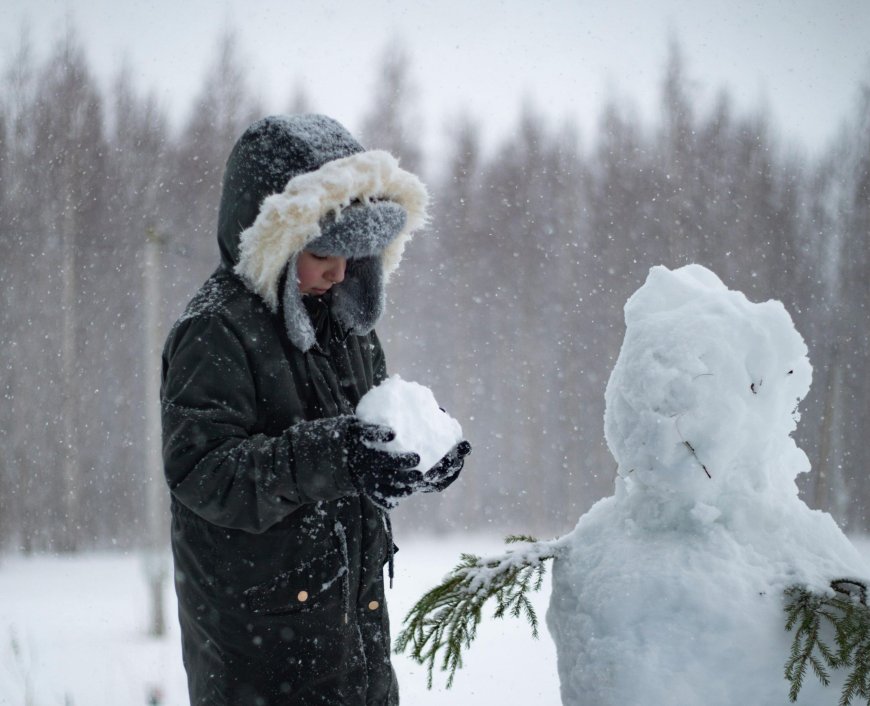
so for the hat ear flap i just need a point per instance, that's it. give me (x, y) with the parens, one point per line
(359, 300)
(297, 322)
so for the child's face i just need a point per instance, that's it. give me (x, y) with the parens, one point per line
(317, 273)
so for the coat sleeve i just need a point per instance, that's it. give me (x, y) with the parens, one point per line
(213, 462)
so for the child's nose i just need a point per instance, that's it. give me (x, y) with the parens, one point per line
(336, 274)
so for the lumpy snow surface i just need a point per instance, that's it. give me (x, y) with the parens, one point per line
(670, 592)
(410, 409)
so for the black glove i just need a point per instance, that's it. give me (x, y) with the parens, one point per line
(384, 476)
(447, 469)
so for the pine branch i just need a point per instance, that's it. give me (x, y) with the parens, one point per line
(846, 610)
(444, 621)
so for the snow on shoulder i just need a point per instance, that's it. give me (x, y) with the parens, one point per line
(671, 591)
(411, 411)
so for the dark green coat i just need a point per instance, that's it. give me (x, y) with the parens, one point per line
(262, 510)
(278, 561)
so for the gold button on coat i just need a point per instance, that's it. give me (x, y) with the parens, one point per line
(374, 605)
(302, 596)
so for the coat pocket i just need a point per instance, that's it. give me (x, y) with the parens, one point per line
(316, 584)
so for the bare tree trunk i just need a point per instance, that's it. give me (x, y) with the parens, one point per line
(827, 475)
(156, 569)
(68, 538)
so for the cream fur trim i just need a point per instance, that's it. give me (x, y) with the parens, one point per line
(289, 220)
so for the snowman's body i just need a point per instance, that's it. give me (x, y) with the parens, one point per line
(670, 592)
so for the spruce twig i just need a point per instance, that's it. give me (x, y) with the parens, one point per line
(846, 610)
(444, 621)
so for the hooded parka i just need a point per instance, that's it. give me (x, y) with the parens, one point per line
(278, 560)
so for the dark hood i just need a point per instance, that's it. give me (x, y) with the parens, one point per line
(303, 182)
(270, 153)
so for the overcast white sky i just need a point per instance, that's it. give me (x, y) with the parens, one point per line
(801, 58)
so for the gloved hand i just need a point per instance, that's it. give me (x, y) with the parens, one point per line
(384, 476)
(447, 469)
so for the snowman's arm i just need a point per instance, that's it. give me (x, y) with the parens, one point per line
(444, 621)
(846, 609)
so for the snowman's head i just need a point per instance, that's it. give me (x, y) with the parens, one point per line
(704, 394)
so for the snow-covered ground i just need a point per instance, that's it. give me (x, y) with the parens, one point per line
(73, 633)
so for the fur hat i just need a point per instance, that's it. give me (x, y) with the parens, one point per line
(361, 206)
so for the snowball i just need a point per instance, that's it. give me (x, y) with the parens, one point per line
(671, 591)
(410, 410)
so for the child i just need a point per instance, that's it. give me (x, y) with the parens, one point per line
(280, 528)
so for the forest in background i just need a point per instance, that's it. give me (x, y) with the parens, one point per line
(509, 306)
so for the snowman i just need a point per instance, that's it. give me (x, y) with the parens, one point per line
(671, 592)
